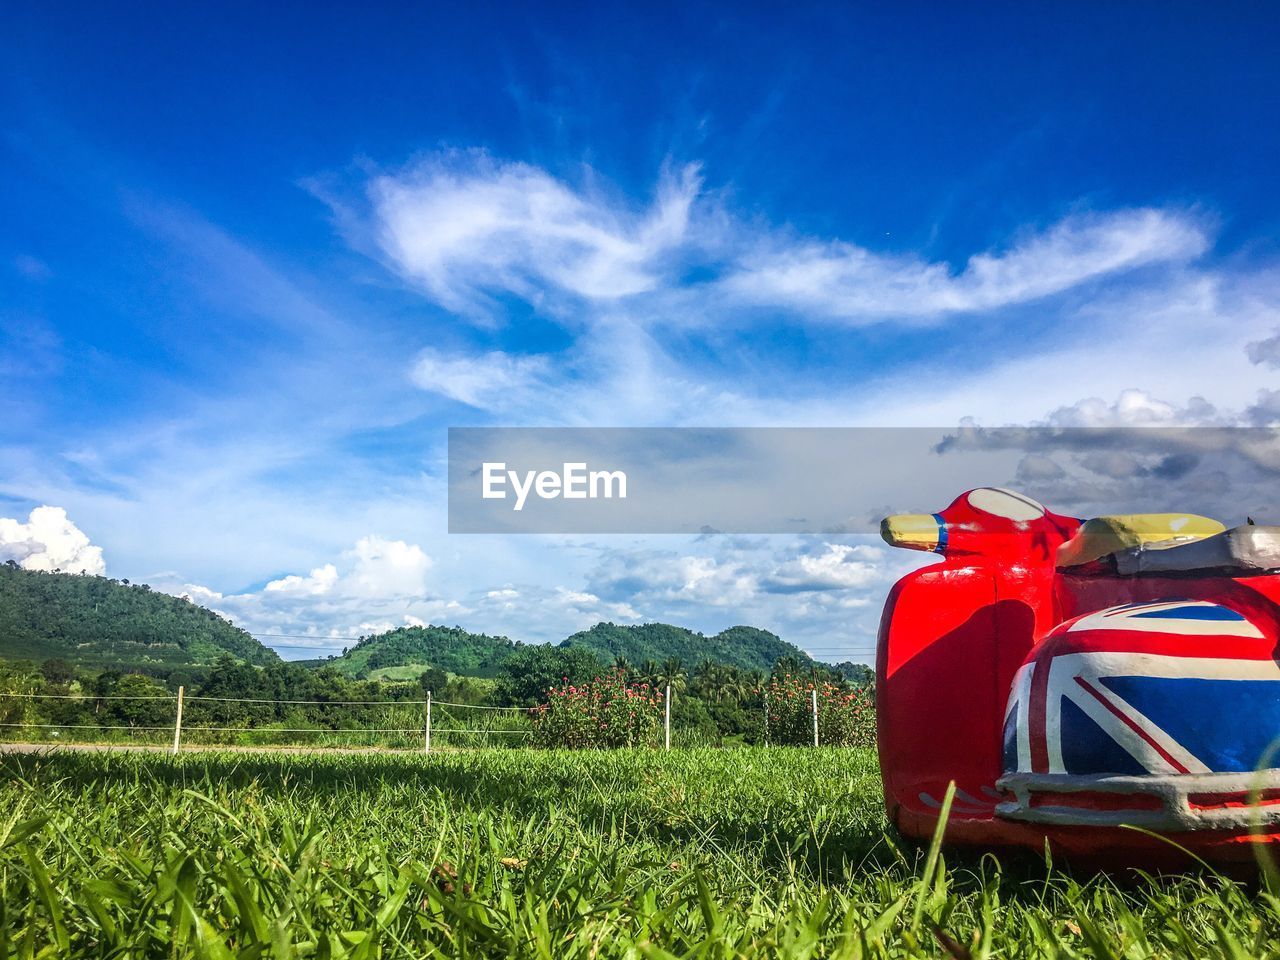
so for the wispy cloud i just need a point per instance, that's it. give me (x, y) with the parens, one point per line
(465, 227)
(468, 227)
(485, 380)
(842, 281)
(32, 268)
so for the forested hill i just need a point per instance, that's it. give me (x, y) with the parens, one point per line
(451, 649)
(94, 621)
(748, 647)
(405, 652)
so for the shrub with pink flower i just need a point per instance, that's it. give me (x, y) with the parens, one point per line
(606, 712)
(846, 715)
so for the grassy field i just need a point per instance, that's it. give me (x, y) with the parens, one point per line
(759, 852)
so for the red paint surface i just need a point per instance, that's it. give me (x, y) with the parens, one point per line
(1036, 707)
(1244, 798)
(951, 639)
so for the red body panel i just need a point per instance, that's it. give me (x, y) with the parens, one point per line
(951, 639)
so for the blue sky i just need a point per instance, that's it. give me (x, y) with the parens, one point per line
(255, 261)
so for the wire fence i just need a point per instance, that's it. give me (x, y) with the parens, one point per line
(789, 713)
(421, 724)
(72, 696)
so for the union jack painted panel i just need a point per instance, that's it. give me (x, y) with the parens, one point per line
(1146, 689)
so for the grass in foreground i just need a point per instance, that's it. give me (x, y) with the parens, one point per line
(762, 852)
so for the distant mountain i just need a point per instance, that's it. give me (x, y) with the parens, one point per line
(451, 649)
(748, 647)
(97, 622)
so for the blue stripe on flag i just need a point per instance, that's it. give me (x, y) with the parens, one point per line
(1213, 612)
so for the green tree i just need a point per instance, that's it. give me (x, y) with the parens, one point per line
(527, 675)
(141, 705)
(433, 680)
(56, 670)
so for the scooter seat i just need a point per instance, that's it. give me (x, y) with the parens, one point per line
(1240, 551)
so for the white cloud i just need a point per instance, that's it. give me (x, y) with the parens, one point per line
(592, 607)
(319, 581)
(484, 380)
(1177, 336)
(840, 566)
(840, 280)
(1039, 467)
(740, 571)
(377, 585)
(388, 568)
(656, 342)
(374, 569)
(49, 541)
(1117, 464)
(1141, 453)
(824, 596)
(464, 224)
(1132, 408)
(471, 229)
(709, 580)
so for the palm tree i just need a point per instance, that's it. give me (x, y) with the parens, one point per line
(622, 665)
(707, 679)
(788, 665)
(649, 671)
(671, 674)
(739, 684)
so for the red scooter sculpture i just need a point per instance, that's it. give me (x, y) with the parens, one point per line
(1080, 679)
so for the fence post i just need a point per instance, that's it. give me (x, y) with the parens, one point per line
(666, 719)
(426, 727)
(177, 722)
(766, 718)
(815, 716)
